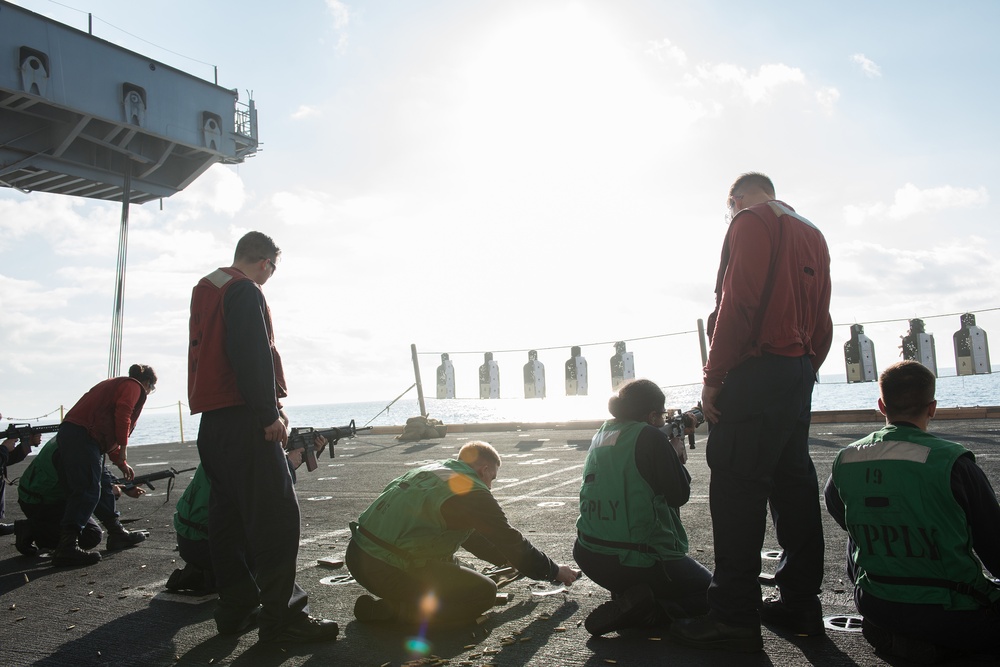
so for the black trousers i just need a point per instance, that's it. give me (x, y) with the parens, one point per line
(45, 519)
(971, 632)
(85, 478)
(443, 593)
(678, 585)
(195, 552)
(759, 456)
(253, 519)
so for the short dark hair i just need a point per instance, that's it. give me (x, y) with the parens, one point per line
(635, 400)
(254, 246)
(907, 387)
(754, 179)
(142, 373)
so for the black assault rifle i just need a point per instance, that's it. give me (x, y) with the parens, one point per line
(302, 437)
(149, 478)
(23, 431)
(692, 419)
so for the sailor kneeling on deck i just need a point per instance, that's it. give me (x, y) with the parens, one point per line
(403, 546)
(918, 511)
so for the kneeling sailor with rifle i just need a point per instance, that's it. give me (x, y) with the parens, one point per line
(42, 496)
(72, 475)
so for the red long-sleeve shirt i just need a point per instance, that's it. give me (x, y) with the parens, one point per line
(797, 318)
(109, 412)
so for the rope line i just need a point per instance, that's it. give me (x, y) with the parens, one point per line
(32, 419)
(683, 333)
(563, 347)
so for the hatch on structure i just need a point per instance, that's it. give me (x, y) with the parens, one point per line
(76, 111)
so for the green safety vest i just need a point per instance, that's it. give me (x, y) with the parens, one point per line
(912, 540)
(619, 512)
(39, 483)
(191, 517)
(404, 526)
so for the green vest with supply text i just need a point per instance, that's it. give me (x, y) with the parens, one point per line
(912, 541)
(39, 483)
(618, 505)
(191, 517)
(404, 526)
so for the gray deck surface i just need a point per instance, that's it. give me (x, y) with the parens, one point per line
(117, 612)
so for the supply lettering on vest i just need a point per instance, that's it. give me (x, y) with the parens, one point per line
(600, 509)
(897, 541)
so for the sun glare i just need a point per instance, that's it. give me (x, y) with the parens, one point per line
(560, 89)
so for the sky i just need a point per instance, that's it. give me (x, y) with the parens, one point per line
(470, 176)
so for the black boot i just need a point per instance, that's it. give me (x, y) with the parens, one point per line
(192, 578)
(119, 538)
(23, 539)
(69, 553)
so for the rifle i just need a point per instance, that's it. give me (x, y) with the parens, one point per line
(23, 431)
(692, 419)
(302, 437)
(149, 478)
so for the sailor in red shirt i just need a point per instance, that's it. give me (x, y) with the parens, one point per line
(770, 332)
(236, 382)
(100, 423)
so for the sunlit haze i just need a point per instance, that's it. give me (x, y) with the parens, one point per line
(504, 176)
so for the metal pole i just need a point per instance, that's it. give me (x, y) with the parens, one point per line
(416, 376)
(180, 419)
(118, 317)
(701, 341)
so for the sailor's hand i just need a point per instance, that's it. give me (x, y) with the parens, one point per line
(127, 473)
(709, 395)
(567, 575)
(320, 442)
(678, 444)
(134, 492)
(276, 432)
(295, 458)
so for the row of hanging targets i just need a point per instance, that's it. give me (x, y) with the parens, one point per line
(575, 372)
(972, 350)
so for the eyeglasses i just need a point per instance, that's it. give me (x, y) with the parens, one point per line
(270, 262)
(150, 387)
(731, 208)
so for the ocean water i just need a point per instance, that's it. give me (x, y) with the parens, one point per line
(160, 424)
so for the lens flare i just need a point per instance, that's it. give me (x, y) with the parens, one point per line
(428, 605)
(417, 646)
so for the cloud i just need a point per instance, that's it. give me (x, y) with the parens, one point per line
(664, 51)
(219, 190)
(305, 111)
(341, 18)
(827, 98)
(910, 201)
(887, 281)
(757, 86)
(870, 69)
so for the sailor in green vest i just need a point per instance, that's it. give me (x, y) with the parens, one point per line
(630, 538)
(191, 524)
(403, 547)
(42, 495)
(918, 512)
